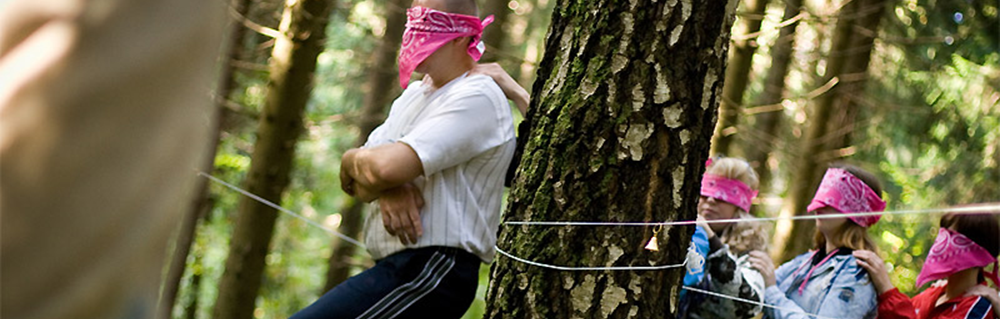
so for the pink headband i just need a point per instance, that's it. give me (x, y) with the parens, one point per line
(847, 194)
(729, 190)
(428, 29)
(953, 252)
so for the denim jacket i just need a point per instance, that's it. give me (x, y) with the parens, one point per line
(837, 288)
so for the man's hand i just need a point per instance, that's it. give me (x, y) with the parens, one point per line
(876, 270)
(510, 87)
(346, 181)
(762, 262)
(400, 207)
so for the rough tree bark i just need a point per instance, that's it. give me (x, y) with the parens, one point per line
(767, 122)
(618, 130)
(849, 55)
(293, 63)
(737, 74)
(380, 89)
(202, 203)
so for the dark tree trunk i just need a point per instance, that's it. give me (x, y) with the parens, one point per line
(848, 58)
(202, 202)
(191, 308)
(767, 123)
(381, 87)
(618, 130)
(293, 63)
(737, 74)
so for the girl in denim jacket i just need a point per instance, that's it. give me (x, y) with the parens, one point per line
(827, 281)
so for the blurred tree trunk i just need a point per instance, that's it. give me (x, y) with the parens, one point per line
(339, 265)
(737, 74)
(495, 36)
(848, 58)
(381, 87)
(202, 202)
(191, 309)
(266, 13)
(293, 63)
(618, 130)
(849, 94)
(535, 22)
(767, 122)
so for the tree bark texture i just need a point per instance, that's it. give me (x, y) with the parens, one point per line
(767, 123)
(293, 63)
(380, 88)
(737, 74)
(619, 127)
(849, 55)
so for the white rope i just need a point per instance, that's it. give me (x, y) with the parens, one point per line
(986, 208)
(660, 267)
(283, 210)
(609, 268)
(711, 293)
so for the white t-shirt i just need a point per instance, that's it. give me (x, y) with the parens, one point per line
(463, 133)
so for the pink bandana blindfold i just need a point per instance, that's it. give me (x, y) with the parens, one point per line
(729, 190)
(428, 29)
(847, 194)
(953, 252)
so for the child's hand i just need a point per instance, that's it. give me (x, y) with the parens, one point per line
(876, 270)
(510, 88)
(704, 225)
(762, 262)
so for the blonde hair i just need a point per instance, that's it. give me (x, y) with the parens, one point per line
(742, 237)
(851, 235)
(734, 168)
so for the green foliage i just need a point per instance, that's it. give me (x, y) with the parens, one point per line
(931, 130)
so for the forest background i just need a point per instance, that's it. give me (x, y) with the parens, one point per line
(926, 120)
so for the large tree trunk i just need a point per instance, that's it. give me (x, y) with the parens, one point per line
(381, 88)
(201, 202)
(849, 56)
(619, 128)
(767, 122)
(291, 79)
(737, 74)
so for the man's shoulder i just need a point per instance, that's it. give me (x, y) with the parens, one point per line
(478, 85)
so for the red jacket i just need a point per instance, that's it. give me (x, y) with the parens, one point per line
(895, 305)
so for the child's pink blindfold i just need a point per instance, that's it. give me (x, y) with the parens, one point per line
(847, 194)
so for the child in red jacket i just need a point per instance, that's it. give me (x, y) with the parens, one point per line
(965, 245)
